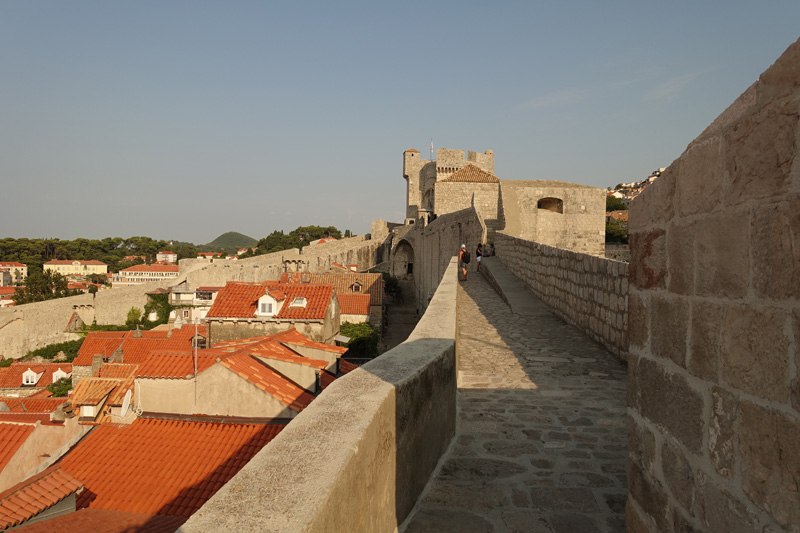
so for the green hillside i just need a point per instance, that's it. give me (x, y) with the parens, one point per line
(230, 242)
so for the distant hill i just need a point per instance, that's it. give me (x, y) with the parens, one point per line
(230, 242)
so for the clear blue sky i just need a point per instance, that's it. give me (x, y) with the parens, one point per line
(184, 120)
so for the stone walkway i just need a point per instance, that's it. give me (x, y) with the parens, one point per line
(541, 439)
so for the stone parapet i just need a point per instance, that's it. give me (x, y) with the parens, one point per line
(360, 455)
(587, 291)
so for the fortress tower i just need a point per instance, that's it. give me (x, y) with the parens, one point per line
(421, 176)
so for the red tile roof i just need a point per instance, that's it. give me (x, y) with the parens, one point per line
(269, 380)
(32, 405)
(7, 290)
(164, 467)
(471, 174)
(11, 376)
(239, 300)
(91, 391)
(293, 336)
(325, 379)
(116, 370)
(177, 364)
(345, 367)
(158, 267)
(25, 500)
(8, 264)
(343, 283)
(354, 304)
(71, 261)
(11, 438)
(27, 418)
(277, 351)
(134, 349)
(104, 521)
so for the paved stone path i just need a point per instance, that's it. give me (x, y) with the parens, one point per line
(541, 439)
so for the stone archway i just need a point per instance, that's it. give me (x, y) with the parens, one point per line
(403, 261)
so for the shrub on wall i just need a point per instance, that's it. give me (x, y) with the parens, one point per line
(363, 340)
(61, 387)
(70, 349)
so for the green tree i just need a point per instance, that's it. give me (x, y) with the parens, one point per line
(615, 204)
(134, 317)
(616, 233)
(61, 387)
(40, 286)
(363, 342)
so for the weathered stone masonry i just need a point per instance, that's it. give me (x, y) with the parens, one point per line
(714, 305)
(587, 291)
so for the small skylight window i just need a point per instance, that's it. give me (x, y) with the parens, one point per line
(298, 302)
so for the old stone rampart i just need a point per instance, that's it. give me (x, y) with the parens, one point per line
(359, 456)
(714, 334)
(587, 291)
(30, 326)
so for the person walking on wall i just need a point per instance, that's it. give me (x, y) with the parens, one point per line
(478, 256)
(463, 261)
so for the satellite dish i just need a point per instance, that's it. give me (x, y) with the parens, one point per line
(126, 402)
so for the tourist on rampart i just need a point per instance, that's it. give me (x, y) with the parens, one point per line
(463, 261)
(478, 256)
(491, 249)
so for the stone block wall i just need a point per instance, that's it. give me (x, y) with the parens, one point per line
(455, 196)
(580, 226)
(587, 291)
(714, 327)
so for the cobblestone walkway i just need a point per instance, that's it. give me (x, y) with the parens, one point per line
(541, 439)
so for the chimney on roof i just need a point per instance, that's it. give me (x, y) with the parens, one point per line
(116, 357)
(4, 407)
(97, 362)
(138, 333)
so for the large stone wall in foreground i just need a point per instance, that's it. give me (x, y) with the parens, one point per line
(714, 364)
(587, 291)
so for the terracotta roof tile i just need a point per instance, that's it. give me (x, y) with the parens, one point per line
(91, 391)
(11, 376)
(11, 438)
(293, 336)
(239, 300)
(134, 349)
(269, 380)
(71, 261)
(344, 282)
(180, 456)
(106, 521)
(116, 370)
(345, 367)
(26, 418)
(156, 267)
(26, 499)
(277, 351)
(354, 304)
(177, 364)
(30, 404)
(325, 379)
(470, 173)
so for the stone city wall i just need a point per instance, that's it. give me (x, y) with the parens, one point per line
(359, 456)
(714, 365)
(587, 291)
(317, 258)
(30, 326)
(435, 245)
